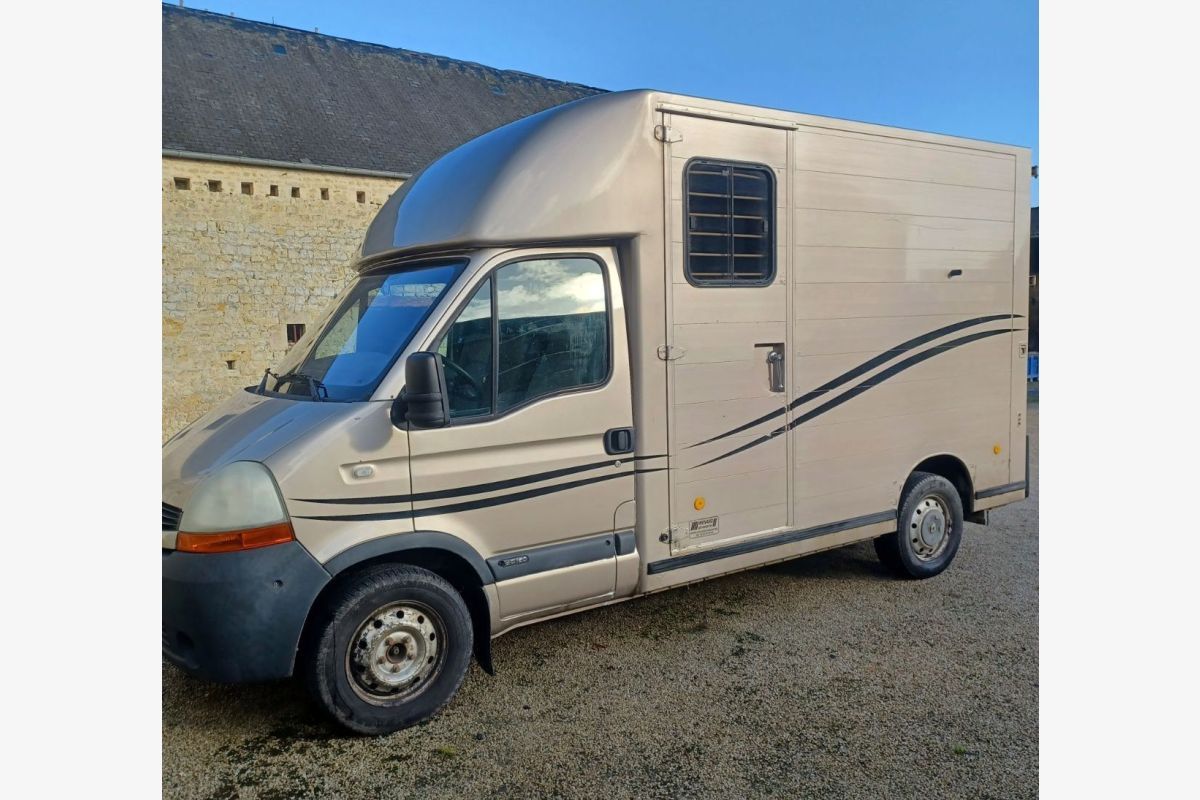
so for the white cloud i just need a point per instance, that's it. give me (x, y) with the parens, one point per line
(550, 287)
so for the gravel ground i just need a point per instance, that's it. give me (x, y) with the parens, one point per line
(820, 677)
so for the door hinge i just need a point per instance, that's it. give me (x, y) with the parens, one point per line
(669, 352)
(665, 133)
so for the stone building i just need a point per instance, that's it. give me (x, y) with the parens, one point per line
(279, 145)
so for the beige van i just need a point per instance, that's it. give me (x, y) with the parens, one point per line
(629, 343)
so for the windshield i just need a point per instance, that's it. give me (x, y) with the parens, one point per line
(360, 340)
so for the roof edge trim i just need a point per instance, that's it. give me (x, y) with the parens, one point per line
(267, 162)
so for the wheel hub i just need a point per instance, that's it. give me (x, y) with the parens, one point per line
(929, 528)
(394, 652)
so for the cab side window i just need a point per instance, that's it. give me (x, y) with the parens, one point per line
(466, 351)
(552, 328)
(532, 329)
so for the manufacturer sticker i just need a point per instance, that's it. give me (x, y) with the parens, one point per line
(702, 528)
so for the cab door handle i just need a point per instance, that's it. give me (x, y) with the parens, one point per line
(618, 440)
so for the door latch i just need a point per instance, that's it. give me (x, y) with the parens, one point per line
(774, 366)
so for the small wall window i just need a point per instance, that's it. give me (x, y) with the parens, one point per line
(295, 191)
(294, 331)
(361, 196)
(324, 194)
(729, 222)
(183, 184)
(274, 191)
(214, 186)
(247, 188)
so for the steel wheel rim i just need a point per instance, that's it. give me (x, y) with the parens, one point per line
(929, 528)
(396, 652)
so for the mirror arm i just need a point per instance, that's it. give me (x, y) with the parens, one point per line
(400, 412)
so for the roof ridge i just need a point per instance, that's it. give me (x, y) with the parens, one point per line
(198, 12)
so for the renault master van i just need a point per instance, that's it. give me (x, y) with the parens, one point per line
(630, 343)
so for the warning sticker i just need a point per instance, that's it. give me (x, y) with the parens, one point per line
(702, 528)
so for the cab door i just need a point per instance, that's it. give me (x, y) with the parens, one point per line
(727, 330)
(538, 453)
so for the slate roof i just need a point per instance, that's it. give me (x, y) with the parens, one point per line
(232, 87)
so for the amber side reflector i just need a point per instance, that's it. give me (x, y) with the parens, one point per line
(232, 541)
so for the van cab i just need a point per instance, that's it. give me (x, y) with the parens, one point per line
(629, 343)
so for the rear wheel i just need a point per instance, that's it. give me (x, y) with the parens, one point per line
(391, 649)
(929, 528)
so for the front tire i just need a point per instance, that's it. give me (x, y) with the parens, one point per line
(929, 528)
(390, 650)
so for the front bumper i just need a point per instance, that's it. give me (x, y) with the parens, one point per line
(236, 617)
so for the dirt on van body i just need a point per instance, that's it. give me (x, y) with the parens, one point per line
(819, 677)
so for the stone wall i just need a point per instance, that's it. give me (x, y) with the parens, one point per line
(246, 250)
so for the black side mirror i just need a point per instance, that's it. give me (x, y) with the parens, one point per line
(425, 402)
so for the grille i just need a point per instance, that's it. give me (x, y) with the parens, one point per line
(729, 211)
(171, 516)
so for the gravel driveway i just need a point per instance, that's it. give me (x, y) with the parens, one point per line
(820, 677)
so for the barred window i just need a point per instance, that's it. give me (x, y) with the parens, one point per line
(730, 210)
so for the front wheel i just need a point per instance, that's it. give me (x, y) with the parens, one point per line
(391, 649)
(929, 528)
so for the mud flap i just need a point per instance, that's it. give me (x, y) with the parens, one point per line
(481, 629)
(483, 654)
(978, 517)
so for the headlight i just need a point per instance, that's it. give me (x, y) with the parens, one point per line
(238, 507)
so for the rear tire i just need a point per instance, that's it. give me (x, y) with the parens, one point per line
(929, 528)
(390, 650)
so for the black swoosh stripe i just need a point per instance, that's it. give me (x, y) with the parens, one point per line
(861, 369)
(478, 488)
(744, 447)
(891, 371)
(851, 393)
(472, 505)
(754, 423)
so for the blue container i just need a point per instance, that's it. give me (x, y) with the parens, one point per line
(1033, 367)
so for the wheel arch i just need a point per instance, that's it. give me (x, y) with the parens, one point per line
(953, 469)
(441, 553)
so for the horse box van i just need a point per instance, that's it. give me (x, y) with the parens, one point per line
(629, 343)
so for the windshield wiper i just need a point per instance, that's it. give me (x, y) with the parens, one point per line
(315, 386)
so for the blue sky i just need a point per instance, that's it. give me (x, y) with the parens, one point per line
(964, 67)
